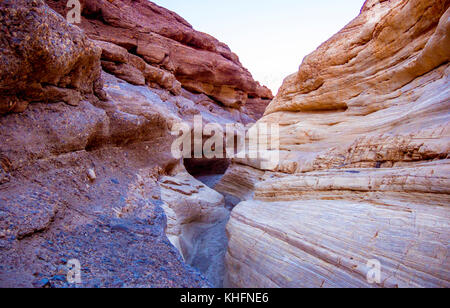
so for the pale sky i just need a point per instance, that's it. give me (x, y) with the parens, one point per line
(271, 37)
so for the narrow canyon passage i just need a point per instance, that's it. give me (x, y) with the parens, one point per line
(210, 241)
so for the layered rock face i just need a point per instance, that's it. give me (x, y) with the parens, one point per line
(144, 43)
(86, 169)
(364, 169)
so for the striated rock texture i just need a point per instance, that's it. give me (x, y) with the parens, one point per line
(86, 170)
(364, 168)
(196, 218)
(145, 43)
(189, 201)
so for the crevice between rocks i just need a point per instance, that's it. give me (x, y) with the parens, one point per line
(210, 240)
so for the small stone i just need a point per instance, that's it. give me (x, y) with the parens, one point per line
(42, 283)
(62, 270)
(91, 175)
(120, 228)
(61, 278)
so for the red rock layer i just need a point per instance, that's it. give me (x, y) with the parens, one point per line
(162, 42)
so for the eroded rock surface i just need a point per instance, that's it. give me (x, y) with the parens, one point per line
(145, 43)
(43, 58)
(86, 169)
(189, 201)
(196, 223)
(53, 210)
(363, 173)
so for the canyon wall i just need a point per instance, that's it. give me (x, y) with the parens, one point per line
(86, 114)
(364, 173)
(145, 43)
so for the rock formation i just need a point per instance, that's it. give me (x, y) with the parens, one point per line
(364, 169)
(86, 169)
(188, 200)
(144, 43)
(87, 173)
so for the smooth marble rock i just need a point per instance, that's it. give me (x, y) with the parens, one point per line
(364, 171)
